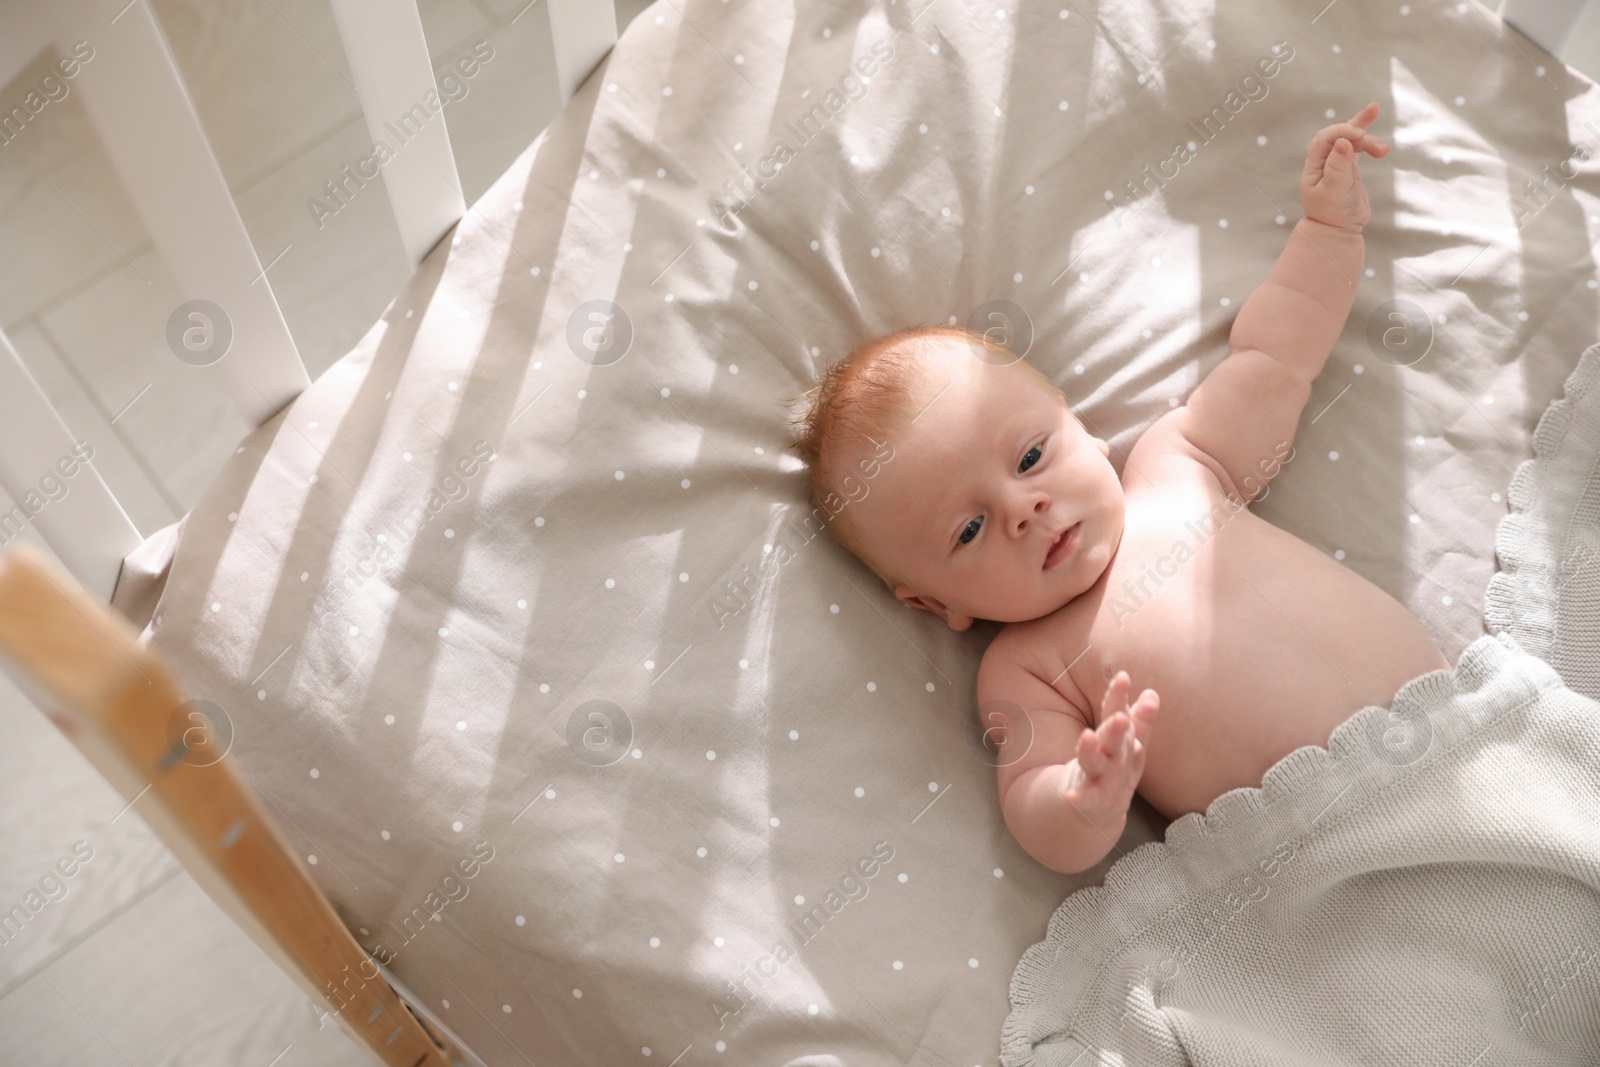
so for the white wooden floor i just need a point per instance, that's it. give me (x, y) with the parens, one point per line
(133, 964)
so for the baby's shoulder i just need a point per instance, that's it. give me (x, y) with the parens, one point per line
(1163, 459)
(1035, 646)
(1004, 648)
(1010, 651)
(1024, 664)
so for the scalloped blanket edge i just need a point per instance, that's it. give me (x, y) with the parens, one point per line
(1276, 908)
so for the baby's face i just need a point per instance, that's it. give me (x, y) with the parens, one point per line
(988, 469)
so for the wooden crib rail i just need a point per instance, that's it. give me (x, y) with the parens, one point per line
(119, 703)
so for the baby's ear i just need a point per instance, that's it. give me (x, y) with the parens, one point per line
(917, 600)
(954, 620)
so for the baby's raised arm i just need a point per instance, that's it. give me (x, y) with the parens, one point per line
(1067, 815)
(1245, 412)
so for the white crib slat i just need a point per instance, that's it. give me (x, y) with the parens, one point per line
(74, 512)
(141, 111)
(1547, 23)
(394, 79)
(583, 32)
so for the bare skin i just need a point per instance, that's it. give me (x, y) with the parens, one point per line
(1247, 643)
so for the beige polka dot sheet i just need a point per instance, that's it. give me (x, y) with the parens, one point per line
(552, 601)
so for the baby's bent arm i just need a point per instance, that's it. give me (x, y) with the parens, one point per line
(1036, 763)
(1297, 314)
(1051, 830)
(1244, 414)
(1251, 402)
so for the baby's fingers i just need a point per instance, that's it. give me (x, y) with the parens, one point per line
(1324, 143)
(1136, 752)
(1092, 759)
(1144, 714)
(1112, 746)
(1366, 116)
(1340, 168)
(1116, 698)
(1097, 749)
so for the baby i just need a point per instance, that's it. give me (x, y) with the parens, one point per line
(988, 499)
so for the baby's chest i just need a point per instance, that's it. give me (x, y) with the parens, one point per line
(1203, 608)
(1256, 643)
(1224, 603)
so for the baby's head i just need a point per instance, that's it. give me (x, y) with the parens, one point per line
(951, 467)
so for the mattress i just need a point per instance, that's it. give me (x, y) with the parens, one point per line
(523, 583)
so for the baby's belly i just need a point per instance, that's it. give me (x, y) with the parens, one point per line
(1258, 645)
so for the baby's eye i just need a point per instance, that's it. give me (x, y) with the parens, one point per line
(970, 531)
(1035, 451)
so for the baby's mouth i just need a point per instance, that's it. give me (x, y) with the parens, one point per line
(1063, 545)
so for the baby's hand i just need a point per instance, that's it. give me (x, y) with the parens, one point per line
(1111, 759)
(1330, 189)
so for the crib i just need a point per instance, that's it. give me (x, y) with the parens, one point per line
(141, 721)
(142, 109)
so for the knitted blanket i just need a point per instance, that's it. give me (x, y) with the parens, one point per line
(1424, 890)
